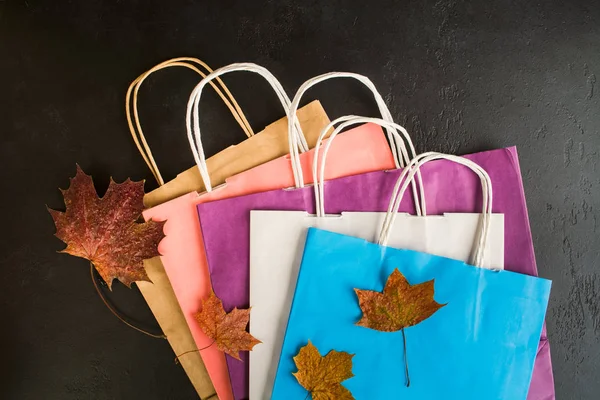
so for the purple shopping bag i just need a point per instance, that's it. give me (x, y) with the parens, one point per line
(449, 188)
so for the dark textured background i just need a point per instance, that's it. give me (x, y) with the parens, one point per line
(462, 76)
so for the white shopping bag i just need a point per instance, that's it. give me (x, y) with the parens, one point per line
(277, 241)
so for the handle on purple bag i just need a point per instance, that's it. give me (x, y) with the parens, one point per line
(136, 131)
(383, 109)
(408, 175)
(193, 113)
(405, 158)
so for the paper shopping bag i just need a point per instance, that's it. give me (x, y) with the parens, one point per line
(270, 143)
(159, 294)
(277, 239)
(182, 250)
(467, 332)
(480, 343)
(449, 188)
(354, 156)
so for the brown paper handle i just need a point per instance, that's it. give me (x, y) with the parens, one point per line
(136, 130)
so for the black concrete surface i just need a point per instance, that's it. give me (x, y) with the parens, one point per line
(462, 76)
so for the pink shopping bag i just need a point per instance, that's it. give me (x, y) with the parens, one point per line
(239, 372)
(358, 150)
(449, 189)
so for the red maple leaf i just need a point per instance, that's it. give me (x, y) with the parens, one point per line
(104, 230)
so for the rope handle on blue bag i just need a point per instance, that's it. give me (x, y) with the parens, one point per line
(408, 175)
(193, 119)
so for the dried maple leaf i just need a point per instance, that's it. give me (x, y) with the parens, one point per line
(323, 376)
(399, 306)
(227, 330)
(104, 230)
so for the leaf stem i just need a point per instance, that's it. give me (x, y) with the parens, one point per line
(192, 351)
(405, 359)
(114, 310)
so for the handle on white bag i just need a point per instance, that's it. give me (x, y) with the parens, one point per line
(405, 158)
(408, 175)
(383, 109)
(193, 114)
(136, 130)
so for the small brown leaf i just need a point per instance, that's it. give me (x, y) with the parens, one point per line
(322, 376)
(399, 306)
(228, 330)
(104, 230)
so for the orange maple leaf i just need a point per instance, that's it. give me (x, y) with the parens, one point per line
(323, 376)
(399, 306)
(104, 230)
(227, 330)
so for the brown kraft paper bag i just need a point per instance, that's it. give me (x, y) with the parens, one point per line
(267, 145)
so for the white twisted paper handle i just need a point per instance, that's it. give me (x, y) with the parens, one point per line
(193, 114)
(383, 109)
(408, 175)
(405, 157)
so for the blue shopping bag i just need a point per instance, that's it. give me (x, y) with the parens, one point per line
(481, 344)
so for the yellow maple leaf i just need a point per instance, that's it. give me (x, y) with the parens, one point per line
(322, 376)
